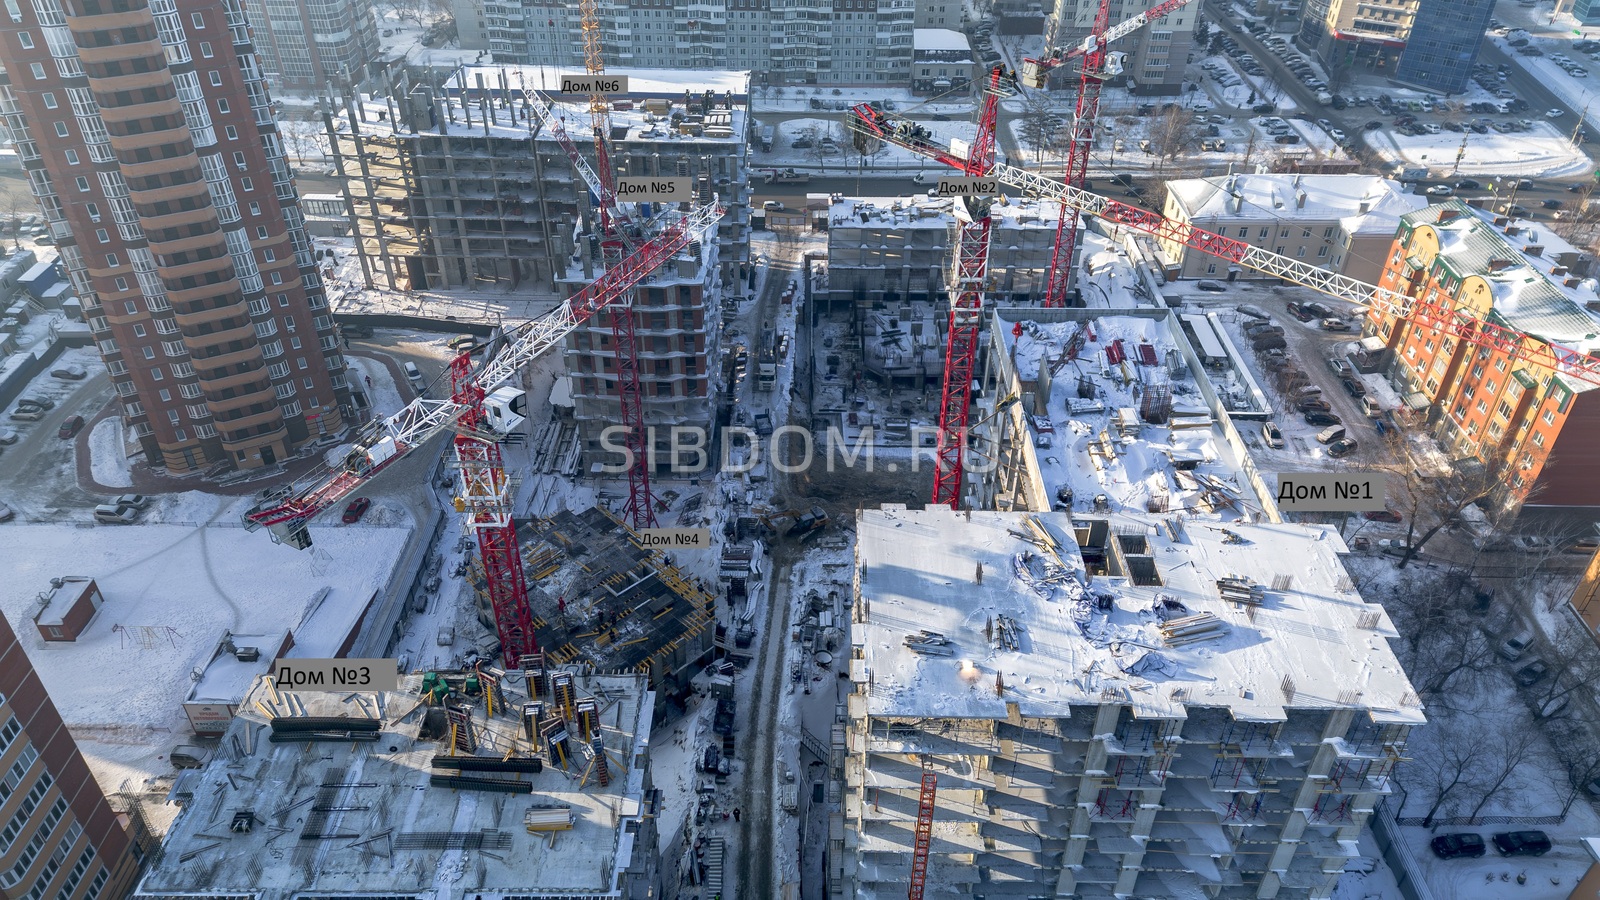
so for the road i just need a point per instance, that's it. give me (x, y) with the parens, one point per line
(29, 469)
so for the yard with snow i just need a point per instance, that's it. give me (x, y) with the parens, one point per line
(1544, 151)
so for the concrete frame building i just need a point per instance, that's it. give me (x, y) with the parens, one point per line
(444, 194)
(463, 769)
(1112, 705)
(1343, 222)
(62, 839)
(308, 44)
(1157, 53)
(149, 141)
(803, 42)
(1444, 43)
(1539, 427)
(1345, 34)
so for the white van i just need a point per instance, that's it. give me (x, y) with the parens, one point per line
(414, 375)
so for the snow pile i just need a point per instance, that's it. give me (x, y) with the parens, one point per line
(108, 459)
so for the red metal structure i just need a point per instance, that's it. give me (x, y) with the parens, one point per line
(1096, 66)
(972, 268)
(478, 410)
(640, 509)
(924, 840)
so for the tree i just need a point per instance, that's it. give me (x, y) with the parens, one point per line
(1251, 145)
(1433, 492)
(1171, 133)
(1509, 747)
(1039, 126)
(1442, 646)
(1445, 771)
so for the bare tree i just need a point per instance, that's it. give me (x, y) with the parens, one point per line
(1580, 761)
(1433, 494)
(1248, 154)
(1509, 749)
(1575, 664)
(1171, 133)
(1445, 771)
(1039, 126)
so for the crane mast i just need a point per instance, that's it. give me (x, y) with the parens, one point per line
(1419, 309)
(640, 508)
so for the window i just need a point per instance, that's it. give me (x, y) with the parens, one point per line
(138, 330)
(231, 132)
(174, 416)
(246, 184)
(288, 324)
(310, 384)
(1538, 439)
(121, 283)
(1264, 233)
(82, 183)
(269, 255)
(205, 49)
(37, 69)
(1549, 417)
(294, 343)
(1211, 269)
(101, 235)
(112, 261)
(301, 364)
(26, 39)
(131, 307)
(166, 395)
(1322, 253)
(198, 20)
(216, 78)
(276, 277)
(49, 100)
(72, 157)
(61, 129)
(283, 300)
(149, 353)
(1244, 231)
(156, 375)
(239, 160)
(255, 209)
(222, 106)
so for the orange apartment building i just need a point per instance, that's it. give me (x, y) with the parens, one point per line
(1480, 402)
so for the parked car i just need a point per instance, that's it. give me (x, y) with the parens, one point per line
(1524, 184)
(1468, 184)
(1551, 708)
(109, 514)
(1554, 113)
(1455, 846)
(1522, 843)
(1353, 387)
(39, 402)
(1393, 547)
(1300, 312)
(356, 509)
(1330, 434)
(462, 341)
(1335, 324)
(69, 373)
(1341, 367)
(1440, 190)
(1512, 648)
(1211, 287)
(1532, 673)
(132, 501)
(7, 436)
(1382, 515)
(70, 427)
(6, 514)
(1322, 418)
(1273, 436)
(27, 414)
(1342, 447)
(414, 375)
(1312, 404)
(1552, 203)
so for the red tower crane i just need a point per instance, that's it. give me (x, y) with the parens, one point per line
(1097, 64)
(482, 407)
(971, 270)
(640, 509)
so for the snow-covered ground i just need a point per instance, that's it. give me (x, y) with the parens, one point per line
(108, 458)
(1543, 151)
(798, 99)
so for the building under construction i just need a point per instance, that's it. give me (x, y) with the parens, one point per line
(602, 601)
(459, 784)
(1118, 705)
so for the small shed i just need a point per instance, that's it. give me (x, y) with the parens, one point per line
(69, 607)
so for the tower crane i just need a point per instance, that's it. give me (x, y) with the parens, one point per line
(640, 509)
(1097, 64)
(482, 407)
(1417, 308)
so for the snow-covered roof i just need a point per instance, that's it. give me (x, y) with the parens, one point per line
(925, 212)
(939, 39)
(667, 84)
(1529, 295)
(375, 815)
(1373, 203)
(1312, 641)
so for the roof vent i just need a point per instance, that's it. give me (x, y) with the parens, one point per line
(1572, 281)
(1500, 221)
(1300, 200)
(1365, 206)
(1513, 230)
(1559, 270)
(1500, 265)
(1448, 214)
(1533, 249)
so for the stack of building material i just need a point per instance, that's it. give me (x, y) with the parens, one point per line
(1192, 629)
(555, 817)
(1006, 633)
(1240, 589)
(930, 643)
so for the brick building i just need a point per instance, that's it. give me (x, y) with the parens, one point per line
(150, 145)
(62, 839)
(1480, 402)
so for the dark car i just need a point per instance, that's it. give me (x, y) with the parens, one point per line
(1532, 673)
(1300, 312)
(1468, 184)
(1373, 125)
(1313, 404)
(1382, 515)
(1552, 203)
(1522, 843)
(1353, 387)
(1524, 184)
(70, 427)
(1323, 418)
(1454, 846)
(1342, 447)
(356, 509)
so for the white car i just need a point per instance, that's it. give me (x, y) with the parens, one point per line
(132, 501)
(1440, 190)
(7, 436)
(1554, 113)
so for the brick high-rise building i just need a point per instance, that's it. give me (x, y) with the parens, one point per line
(150, 144)
(59, 838)
(1517, 414)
